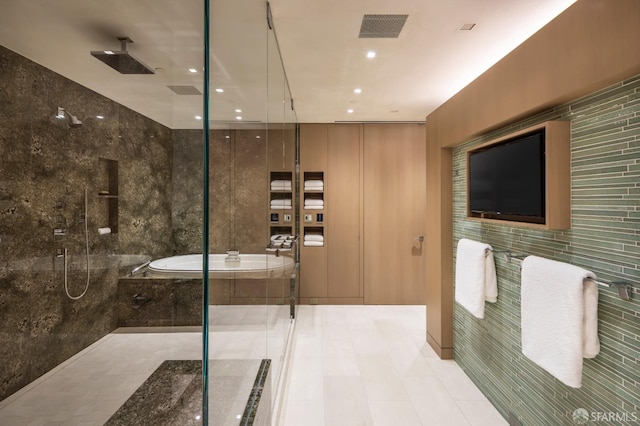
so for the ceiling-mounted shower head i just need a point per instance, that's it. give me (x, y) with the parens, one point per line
(121, 60)
(73, 120)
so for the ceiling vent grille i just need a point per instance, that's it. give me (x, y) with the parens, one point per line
(382, 26)
(185, 90)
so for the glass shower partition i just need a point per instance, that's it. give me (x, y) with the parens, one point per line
(102, 172)
(251, 219)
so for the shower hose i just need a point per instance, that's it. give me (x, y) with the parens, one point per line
(86, 240)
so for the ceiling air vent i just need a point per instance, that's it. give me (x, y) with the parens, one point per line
(185, 90)
(382, 26)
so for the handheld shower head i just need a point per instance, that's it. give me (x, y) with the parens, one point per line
(73, 120)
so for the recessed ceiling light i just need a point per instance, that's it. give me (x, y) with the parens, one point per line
(193, 70)
(100, 117)
(357, 90)
(371, 54)
(219, 90)
(238, 110)
(238, 117)
(467, 27)
(350, 111)
(227, 137)
(258, 137)
(109, 52)
(198, 117)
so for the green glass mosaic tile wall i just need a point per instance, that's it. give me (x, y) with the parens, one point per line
(604, 238)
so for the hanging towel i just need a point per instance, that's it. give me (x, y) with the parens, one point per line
(475, 276)
(559, 317)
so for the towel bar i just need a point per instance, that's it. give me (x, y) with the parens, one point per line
(624, 288)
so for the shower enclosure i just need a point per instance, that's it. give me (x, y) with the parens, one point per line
(110, 162)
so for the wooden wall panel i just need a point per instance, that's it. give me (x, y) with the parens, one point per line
(313, 260)
(343, 217)
(588, 47)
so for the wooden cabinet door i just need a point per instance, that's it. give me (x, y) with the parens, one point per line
(394, 211)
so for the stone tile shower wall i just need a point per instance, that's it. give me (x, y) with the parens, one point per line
(44, 168)
(238, 213)
(604, 238)
(238, 182)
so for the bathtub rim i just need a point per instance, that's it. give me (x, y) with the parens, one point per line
(283, 267)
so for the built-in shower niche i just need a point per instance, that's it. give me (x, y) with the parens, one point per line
(108, 194)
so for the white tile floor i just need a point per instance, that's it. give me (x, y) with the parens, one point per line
(370, 365)
(350, 365)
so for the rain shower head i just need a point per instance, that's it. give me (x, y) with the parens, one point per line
(73, 120)
(121, 60)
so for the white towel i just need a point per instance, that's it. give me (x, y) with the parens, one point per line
(313, 243)
(475, 276)
(313, 182)
(280, 203)
(306, 207)
(559, 317)
(280, 187)
(313, 237)
(281, 184)
(313, 202)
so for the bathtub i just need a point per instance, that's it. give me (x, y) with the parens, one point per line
(249, 266)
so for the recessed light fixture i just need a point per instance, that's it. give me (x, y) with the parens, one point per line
(371, 54)
(219, 90)
(227, 137)
(350, 111)
(198, 117)
(357, 90)
(238, 110)
(109, 52)
(258, 137)
(100, 117)
(193, 70)
(467, 27)
(238, 117)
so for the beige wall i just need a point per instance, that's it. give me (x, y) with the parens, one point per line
(588, 47)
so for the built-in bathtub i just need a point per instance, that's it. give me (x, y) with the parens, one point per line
(169, 291)
(243, 266)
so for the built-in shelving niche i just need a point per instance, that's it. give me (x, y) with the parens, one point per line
(108, 193)
(281, 217)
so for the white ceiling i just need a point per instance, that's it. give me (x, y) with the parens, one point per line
(323, 57)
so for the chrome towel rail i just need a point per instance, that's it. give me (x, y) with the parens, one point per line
(623, 288)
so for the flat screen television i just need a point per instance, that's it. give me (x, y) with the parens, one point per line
(507, 179)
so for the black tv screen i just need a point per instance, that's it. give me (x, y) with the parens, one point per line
(506, 180)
